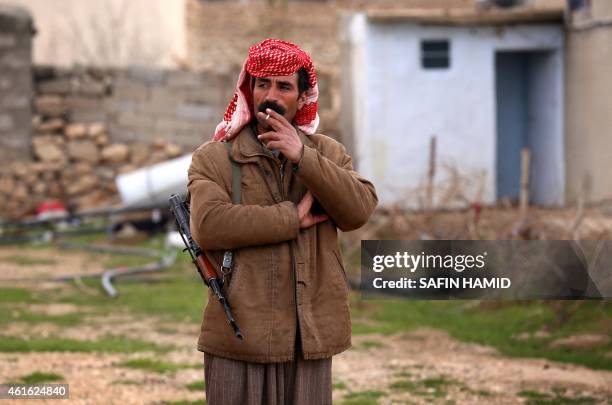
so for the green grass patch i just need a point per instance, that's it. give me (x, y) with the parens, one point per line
(436, 387)
(21, 295)
(38, 377)
(480, 393)
(495, 327)
(155, 366)
(109, 344)
(339, 385)
(404, 385)
(555, 398)
(180, 296)
(196, 386)
(10, 315)
(362, 398)
(27, 260)
(370, 344)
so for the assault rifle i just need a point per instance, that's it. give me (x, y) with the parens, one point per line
(180, 210)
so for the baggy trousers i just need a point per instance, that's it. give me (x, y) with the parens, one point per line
(299, 382)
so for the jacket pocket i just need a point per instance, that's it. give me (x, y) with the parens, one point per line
(231, 281)
(340, 266)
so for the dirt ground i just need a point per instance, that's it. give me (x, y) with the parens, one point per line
(471, 369)
(469, 373)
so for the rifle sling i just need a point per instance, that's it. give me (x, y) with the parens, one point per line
(236, 175)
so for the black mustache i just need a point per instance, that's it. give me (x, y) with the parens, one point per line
(271, 105)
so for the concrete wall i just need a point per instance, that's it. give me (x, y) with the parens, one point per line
(401, 106)
(15, 82)
(138, 103)
(589, 106)
(601, 9)
(108, 32)
(142, 103)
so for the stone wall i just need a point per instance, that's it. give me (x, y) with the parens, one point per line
(137, 103)
(73, 162)
(91, 125)
(144, 103)
(15, 81)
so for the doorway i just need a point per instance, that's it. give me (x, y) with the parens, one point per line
(529, 109)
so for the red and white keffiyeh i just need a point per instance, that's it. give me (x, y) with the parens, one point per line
(271, 57)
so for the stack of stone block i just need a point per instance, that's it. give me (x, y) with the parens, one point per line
(75, 163)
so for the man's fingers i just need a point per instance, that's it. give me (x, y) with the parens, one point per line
(271, 120)
(310, 220)
(269, 136)
(278, 117)
(275, 145)
(308, 198)
(320, 218)
(305, 204)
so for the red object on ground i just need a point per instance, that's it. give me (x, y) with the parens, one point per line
(51, 206)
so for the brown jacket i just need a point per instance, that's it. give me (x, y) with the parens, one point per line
(271, 251)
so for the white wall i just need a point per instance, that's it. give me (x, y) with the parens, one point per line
(406, 105)
(108, 32)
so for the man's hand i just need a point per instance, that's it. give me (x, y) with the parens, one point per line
(284, 138)
(306, 218)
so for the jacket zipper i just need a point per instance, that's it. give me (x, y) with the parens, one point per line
(293, 266)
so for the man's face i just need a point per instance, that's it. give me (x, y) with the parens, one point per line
(279, 93)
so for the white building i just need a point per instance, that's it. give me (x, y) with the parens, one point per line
(485, 84)
(113, 33)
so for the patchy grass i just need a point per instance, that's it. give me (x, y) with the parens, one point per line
(155, 366)
(369, 344)
(493, 326)
(28, 260)
(555, 398)
(38, 377)
(437, 386)
(10, 315)
(480, 393)
(108, 344)
(433, 387)
(404, 385)
(339, 385)
(196, 386)
(177, 294)
(21, 295)
(362, 398)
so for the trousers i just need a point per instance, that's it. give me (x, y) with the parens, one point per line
(299, 382)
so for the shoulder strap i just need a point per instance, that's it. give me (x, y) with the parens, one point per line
(236, 175)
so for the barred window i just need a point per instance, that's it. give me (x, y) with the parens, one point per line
(435, 54)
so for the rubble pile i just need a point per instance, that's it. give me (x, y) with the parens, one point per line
(75, 163)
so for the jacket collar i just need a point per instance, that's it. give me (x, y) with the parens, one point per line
(246, 147)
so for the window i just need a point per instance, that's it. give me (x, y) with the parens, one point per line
(435, 54)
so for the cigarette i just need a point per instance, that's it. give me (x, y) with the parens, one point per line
(267, 116)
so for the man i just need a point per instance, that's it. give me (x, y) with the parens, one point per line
(287, 287)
